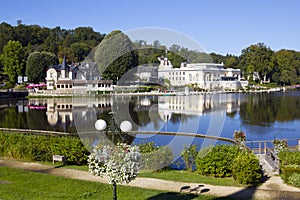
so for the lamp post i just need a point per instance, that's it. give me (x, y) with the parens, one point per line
(125, 126)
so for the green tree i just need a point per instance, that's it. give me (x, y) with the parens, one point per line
(6, 34)
(81, 50)
(115, 55)
(68, 52)
(37, 63)
(287, 67)
(231, 62)
(259, 57)
(13, 60)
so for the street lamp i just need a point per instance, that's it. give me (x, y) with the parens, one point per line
(125, 126)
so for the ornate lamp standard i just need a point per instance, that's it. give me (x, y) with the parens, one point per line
(125, 126)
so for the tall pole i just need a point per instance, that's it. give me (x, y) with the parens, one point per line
(114, 191)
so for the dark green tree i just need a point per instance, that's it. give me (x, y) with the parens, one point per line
(37, 64)
(81, 50)
(231, 61)
(287, 65)
(115, 55)
(6, 34)
(258, 57)
(13, 60)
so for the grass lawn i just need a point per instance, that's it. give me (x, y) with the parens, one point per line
(19, 184)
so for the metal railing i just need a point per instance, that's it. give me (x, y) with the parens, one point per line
(272, 159)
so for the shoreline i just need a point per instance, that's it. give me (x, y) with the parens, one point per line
(153, 93)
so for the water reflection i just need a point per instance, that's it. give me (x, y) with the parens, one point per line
(259, 114)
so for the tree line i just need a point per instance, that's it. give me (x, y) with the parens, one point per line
(25, 48)
(30, 49)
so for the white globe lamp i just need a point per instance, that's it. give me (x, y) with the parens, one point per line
(126, 126)
(100, 125)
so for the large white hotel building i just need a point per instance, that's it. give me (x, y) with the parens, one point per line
(207, 76)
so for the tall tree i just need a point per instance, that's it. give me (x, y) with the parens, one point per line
(81, 50)
(6, 34)
(115, 55)
(13, 60)
(259, 57)
(37, 63)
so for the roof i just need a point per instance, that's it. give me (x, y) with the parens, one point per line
(64, 65)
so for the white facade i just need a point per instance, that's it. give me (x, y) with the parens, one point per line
(207, 76)
(75, 79)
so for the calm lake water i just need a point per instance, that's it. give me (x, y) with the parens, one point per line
(261, 116)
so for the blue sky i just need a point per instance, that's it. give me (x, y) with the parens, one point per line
(221, 26)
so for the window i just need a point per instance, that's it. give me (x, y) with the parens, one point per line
(183, 73)
(58, 86)
(70, 86)
(62, 86)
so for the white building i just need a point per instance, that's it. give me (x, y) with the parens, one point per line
(75, 79)
(207, 76)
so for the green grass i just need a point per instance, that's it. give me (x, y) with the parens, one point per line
(19, 184)
(189, 177)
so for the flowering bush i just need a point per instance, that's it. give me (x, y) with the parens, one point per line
(118, 164)
(279, 145)
(239, 136)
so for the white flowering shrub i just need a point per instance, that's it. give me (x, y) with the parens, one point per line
(119, 164)
(279, 145)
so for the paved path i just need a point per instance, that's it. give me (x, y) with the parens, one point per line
(273, 188)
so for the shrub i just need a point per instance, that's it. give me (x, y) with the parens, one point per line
(41, 148)
(155, 158)
(287, 171)
(118, 164)
(189, 155)
(289, 157)
(294, 180)
(280, 145)
(148, 147)
(246, 168)
(217, 161)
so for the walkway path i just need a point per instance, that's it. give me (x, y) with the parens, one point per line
(273, 188)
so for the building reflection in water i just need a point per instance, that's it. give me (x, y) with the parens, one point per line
(140, 110)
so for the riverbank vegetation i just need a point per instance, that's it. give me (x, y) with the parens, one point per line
(42, 148)
(19, 44)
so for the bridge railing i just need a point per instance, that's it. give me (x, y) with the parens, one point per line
(260, 146)
(272, 159)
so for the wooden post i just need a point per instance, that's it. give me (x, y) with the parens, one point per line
(259, 147)
(265, 147)
(298, 144)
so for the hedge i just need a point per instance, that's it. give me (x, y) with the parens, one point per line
(41, 148)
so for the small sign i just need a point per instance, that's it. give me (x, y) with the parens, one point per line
(25, 79)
